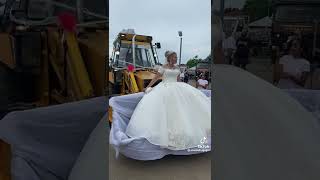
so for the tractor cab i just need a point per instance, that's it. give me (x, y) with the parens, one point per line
(132, 63)
(125, 48)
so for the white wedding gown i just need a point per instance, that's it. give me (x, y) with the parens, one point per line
(174, 115)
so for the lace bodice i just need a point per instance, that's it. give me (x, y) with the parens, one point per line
(169, 75)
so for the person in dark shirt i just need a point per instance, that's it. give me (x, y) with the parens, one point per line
(243, 51)
(186, 77)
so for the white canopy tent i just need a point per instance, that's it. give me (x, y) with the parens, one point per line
(260, 29)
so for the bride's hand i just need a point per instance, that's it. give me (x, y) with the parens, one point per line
(147, 90)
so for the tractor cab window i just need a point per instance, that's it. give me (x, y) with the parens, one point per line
(143, 56)
(297, 13)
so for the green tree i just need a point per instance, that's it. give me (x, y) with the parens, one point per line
(257, 9)
(193, 62)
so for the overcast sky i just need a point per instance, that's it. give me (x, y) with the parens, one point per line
(162, 20)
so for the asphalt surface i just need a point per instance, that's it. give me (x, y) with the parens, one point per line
(195, 167)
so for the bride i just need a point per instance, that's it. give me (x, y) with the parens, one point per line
(173, 115)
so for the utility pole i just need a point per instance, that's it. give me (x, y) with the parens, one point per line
(180, 35)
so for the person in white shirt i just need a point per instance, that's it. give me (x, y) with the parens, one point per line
(229, 47)
(293, 68)
(182, 76)
(202, 82)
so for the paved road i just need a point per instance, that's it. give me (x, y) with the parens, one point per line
(195, 167)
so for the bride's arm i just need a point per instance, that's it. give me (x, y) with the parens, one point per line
(178, 78)
(155, 79)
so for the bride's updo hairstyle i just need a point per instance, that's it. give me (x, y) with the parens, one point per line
(167, 54)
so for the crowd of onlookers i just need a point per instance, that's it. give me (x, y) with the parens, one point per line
(291, 69)
(202, 79)
(237, 50)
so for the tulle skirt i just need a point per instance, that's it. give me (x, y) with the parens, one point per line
(173, 115)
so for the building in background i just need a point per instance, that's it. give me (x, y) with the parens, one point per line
(234, 22)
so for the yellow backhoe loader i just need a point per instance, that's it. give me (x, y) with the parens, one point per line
(132, 64)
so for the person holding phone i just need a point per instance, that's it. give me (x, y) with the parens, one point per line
(202, 83)
(293, 68)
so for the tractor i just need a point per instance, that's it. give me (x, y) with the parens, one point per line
(132, 64)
